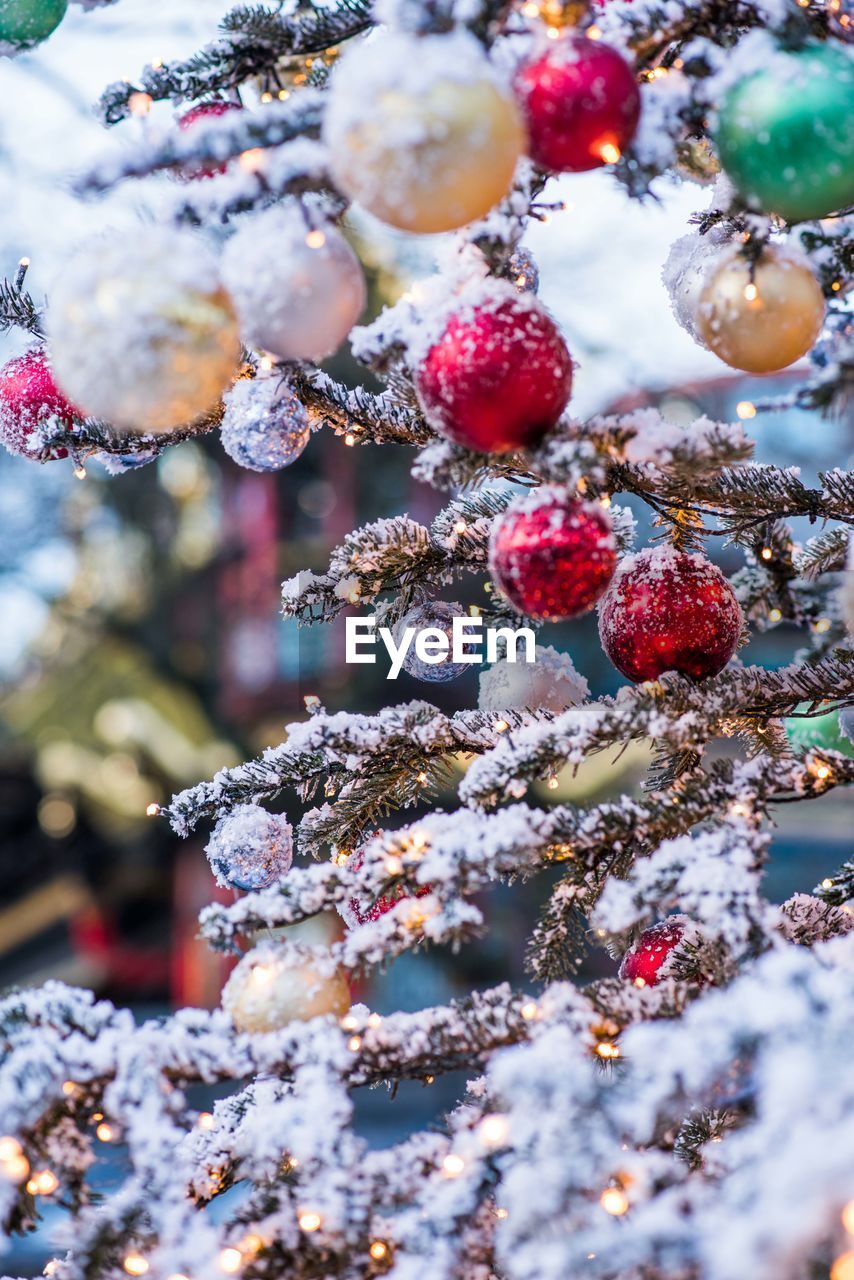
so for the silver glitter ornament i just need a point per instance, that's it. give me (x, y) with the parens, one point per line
(250, 848)
(265, 426)
(437, 615)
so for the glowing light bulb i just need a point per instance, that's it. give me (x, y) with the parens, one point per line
(230, 1260)
(135, 1265)
(309, 1221)
(252, 161)
(848, 1211)
(609, 152)
(751, 293)
(315, 239)
(378, 1250)
(766, 553)
(354, 1044)
(613, 1200)
(205, 1120)
(529, 1010)
(608, 1050)
(43, 1183)
(843, 1267)
(493, 1130)
(453, 1165)
(152, 810)
(745, 409)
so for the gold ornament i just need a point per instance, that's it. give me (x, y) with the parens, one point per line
(140, 330)
(763, 320)
(420, 133)
(696, 161)
(272, 986)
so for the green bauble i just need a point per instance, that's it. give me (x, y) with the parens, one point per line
(818, 733)
(24, 23)
(785, 135)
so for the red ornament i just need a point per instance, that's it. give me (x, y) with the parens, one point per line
(207, 111)
(642, 962)
(360, 912)
(669, 611)
(552, 555)
(499, 377)
(581, 104)
(31, 405)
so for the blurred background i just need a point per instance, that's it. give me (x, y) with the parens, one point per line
(141, 646)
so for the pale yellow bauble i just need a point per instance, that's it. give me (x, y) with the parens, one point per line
(420, 132)
(140, 331)
(763, 321)
(273, 986)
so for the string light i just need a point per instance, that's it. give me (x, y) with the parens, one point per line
(309, 1221)
(374, 1020)
(766, 553)
(827, 883)
(822, 772)
(230, 1260)
(552, 783)
(460, 526)
(139, 104)
(738, 810)
(135, 1265)
(14, 1163)
(746, 409)
(493, 1130)
(775, 615)
(848, 1212)
(529, 1010)
(501, 726)
(104, 1133)
(378, 1250)
(79, 473)
(348, 1023)
(843, 1267)
(315, 239)
(51, 1268)
(608, 1050)
(69, 1088)
(205, 1120)
(152, 810)
(751, 293)
(252, 161)
(43, 1183)
(609, 152)
(453, 1165)
(614, 1201)
(501, 1213)
(822, 625)
(354, 1044)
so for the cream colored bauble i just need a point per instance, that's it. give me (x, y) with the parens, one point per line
(141, 332)
(273, 985)
(763, 320)
(550, 683)
(420, 131)
(298, 290)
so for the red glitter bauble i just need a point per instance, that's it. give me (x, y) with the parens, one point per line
(499, 377)
(207, 111)
(642, 962)
(359, 912)
(581, 104)
(31, 402)
(669, 611)
(552, 555)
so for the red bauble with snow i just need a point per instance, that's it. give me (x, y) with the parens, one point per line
(31, 407)
(551, 555)
(207, 111)
(499, 377)
(358, 911)
(581, 104)
(669, 610)
(642, 962)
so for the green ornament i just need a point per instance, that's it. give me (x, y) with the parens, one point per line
(818, 733)
(24, 23)
(785, 135)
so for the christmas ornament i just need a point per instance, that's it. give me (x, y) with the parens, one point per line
(551, 683)
(141, 332)
(273, 986)
(581, 104)
(32, 407)
(551, 555)
(669, 610)
(436, 617)
(363, 911)
(420, 132)
(500, 375)
(785, 134)
(846, 725)
(196, 115)
(265, 426)
(763, 318)
(298, 291)
(24, 23)
(696, 161)
(643, 961)
(250, 848)
(685, 271)
(822, 733)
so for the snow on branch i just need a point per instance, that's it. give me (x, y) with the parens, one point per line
(254, 39)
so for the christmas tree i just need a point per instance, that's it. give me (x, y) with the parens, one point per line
(691, 1117)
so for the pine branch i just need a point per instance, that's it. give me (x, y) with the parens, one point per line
(359, 416)
(17, 308)
(254, 40)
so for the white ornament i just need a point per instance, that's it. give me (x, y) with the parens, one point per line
(250, 848)
(685, 271)
(140, 330)
(273, 985)
(265, 426)
(298, 291)
(551, 683)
